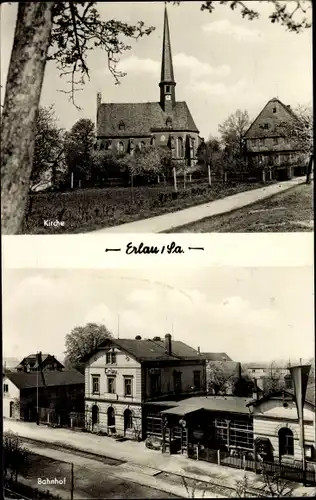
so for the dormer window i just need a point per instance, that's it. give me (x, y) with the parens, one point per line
(121, 125)
(169, 122)
(110, 358)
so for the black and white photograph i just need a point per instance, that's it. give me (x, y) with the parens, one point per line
(159, 384)
(158, 304)
(156, 117)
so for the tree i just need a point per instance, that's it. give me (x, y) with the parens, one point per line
(49, 145)
(64, 32)
(271, 485)
(210, 155)
(15, 458)
(274, 380)
(232, 132)
(220, 378)
(291, 15)
(79, 144)
(300, 134)
(82, 341)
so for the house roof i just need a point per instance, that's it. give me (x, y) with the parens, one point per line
(284, 114)
(151, 350)
(148, 349)
(310, 396)
(31, 359)
(216, 356)
(231, 404)
(140, 119)
(24, 380)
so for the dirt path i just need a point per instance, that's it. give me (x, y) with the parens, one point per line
(172, 220)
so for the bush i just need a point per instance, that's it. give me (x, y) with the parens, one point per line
(15, 458)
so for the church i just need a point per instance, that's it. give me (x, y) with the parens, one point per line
(122, 127)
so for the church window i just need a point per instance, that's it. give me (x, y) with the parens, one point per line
(193, 147)
(121, 125)
(120, 147)
(169, 122)
(180, 147)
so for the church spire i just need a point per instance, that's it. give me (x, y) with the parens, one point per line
(167, 83)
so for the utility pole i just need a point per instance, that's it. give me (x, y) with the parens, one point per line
(37, 410)
(72, 482)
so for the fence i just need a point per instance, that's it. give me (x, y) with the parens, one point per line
(61, 418)
(245, 460)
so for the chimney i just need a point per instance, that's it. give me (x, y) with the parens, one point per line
(168, 344)
(198, 350)
(99, 99)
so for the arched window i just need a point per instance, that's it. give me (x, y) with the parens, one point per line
(101, 146)
(286, 442)
(141, 145)
(120, 147)
(180, 147)
(95, 414)
(128, 419)
(153, 141)
(95, 146)
(121, 125)
(11, 409)
(193, 146)
(111, 417)
(169, 122)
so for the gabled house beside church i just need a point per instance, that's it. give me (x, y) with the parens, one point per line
(267, 147)
(122, 127)
(123, 375)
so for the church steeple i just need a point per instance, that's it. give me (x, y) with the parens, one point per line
(167, 83)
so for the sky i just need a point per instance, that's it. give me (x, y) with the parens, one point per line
(222, 63)
(252, 314)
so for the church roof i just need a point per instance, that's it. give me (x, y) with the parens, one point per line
(166, 66)
(141, 119)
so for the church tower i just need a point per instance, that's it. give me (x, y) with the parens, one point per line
(167, 83)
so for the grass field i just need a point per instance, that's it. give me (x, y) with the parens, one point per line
(90, 209)
(290, 211)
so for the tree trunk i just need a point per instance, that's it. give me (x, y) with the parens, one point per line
(132, 187)
(54, 174)
(22, 96)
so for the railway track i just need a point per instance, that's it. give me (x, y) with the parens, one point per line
(191, 484)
